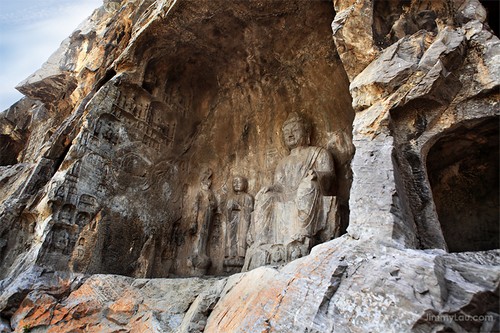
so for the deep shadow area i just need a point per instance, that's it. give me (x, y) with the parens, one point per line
(463, 169)
(9, 149)
(198, 101)
(493, 9)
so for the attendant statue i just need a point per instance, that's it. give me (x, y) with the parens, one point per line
(238, 216)
(60, 240)
(204, 212)
(145, 261)
(293, 210)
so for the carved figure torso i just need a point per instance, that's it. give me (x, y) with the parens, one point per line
(288, 210)
(146, 258)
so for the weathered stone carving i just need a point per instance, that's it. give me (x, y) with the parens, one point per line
(60, 240)
(86, 254)
(80, 249)
(238, 216)
(66, 214)
(82, 219)
(60, 193)
(106, 128)
(146, 258)
(289, 213)
(204, 212)
(220, 80)
(133, 171)
(87, 202)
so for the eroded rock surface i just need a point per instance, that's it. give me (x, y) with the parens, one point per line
(116, 188)
(144, 141)
(341, 286)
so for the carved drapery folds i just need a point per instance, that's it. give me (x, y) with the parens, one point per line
(125, 161)
(294, 209)
(290, 214)
(204, 209)
(238, 216)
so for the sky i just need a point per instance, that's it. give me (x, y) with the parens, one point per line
(30, 31)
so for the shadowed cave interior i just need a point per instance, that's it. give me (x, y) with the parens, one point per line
(463, 169)
(203, 90)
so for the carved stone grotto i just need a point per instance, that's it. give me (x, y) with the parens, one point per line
(257, 166)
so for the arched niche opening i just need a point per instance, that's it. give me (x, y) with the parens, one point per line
(9, 149)
(463, 170)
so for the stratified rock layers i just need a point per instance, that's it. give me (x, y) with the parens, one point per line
(101, 164)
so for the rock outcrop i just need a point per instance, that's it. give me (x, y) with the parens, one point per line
(116, 171)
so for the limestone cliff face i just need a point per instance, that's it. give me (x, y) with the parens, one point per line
(100, 168)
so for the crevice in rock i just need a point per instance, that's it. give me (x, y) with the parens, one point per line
(203, 90)
(110, 73)
(209, 89)
(493, 14)
(394, 19)
(335, 280)
(9, 150)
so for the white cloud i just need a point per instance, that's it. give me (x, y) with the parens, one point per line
(27, 41)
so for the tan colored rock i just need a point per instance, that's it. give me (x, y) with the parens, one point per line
(341, 286)
(108, 303)
(352, 33)
(423, 62)
(136, 141)
(104, 168)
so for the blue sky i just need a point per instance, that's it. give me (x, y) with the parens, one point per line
(30, 31)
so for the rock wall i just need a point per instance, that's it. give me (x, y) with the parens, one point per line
(212, 93)
(100, 168)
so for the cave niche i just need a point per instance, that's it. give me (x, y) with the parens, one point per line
(220, 83)
(463, 170)
(9, 149)
(493, 13)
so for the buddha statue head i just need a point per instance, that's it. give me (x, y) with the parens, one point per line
(296, 131)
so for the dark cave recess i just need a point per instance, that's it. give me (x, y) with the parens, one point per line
(463, 169)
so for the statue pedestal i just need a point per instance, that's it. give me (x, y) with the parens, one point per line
(199, 264)
(233, 265)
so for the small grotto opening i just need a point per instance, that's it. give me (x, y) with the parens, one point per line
(493, 14)
(9, 149)
(463, 169)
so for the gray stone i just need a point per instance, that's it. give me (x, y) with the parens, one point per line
(295, 208)
(101, 198)
(5, 326)
(239, 210)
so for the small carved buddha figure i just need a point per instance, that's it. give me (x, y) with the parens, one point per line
(80, 249)
(238, 216)
(291, 211)
(204, 212)
(66, 214)
(60, 240)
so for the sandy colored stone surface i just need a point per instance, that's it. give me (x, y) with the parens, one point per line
(116, 170)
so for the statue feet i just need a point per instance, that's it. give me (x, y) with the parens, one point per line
(199, 264)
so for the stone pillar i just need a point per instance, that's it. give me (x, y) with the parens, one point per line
(376, 208)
